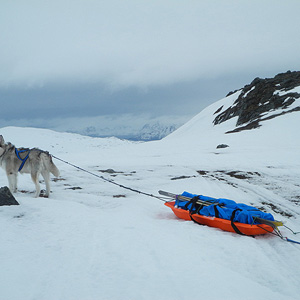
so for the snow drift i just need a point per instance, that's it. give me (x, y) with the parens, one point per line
(93, 240)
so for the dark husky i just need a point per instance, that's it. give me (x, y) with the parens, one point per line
(23, 160)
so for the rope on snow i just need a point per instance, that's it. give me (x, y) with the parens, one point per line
(276, 232)
(110, 181)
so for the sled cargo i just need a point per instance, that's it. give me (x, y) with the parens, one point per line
(246, 229)
(231, 216)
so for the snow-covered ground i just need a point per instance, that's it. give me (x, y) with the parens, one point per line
(93, 240)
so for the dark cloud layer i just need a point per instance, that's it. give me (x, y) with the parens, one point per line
(96, 100)
(92, 58)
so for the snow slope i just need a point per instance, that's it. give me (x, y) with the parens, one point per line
(93, 240)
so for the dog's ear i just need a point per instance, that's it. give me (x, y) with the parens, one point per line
(2, 142)
(2, 145)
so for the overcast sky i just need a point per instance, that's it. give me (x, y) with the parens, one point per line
(89, 58)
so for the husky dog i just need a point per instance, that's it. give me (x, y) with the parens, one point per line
(23, 160)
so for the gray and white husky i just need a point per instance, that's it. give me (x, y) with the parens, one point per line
(24, 160)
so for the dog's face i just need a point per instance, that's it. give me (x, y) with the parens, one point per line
(2, 145)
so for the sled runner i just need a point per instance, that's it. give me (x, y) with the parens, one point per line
(224, 214)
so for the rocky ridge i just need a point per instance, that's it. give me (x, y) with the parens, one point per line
(259, 98)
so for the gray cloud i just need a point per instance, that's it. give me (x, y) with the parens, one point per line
(93, 58)
(83, 100)
(144, 43)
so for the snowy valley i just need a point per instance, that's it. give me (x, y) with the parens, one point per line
(94, 240)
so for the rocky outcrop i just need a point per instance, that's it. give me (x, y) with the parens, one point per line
(6, 198)
(260, 97)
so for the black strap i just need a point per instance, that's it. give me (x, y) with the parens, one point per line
(191, 216)
(194, 203)
(232, 223)
(194, 200)
(199, 208)
(217, 215)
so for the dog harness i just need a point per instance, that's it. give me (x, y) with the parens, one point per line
(22, 150)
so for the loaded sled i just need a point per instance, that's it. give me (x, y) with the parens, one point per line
(222, 213)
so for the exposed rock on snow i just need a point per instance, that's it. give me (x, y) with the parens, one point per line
(222, 146)
(259, 98)
(6, 197)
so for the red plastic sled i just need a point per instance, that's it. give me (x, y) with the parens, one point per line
(223, 224)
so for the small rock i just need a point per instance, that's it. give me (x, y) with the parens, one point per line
(222, 146)
(6, 197)
(109, 171)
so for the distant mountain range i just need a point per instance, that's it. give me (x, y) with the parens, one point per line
(154, 131)
(148, 132)
(251, 105)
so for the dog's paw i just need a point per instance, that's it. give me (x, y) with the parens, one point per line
(44, 194)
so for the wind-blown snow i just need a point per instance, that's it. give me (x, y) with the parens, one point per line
(94, 240)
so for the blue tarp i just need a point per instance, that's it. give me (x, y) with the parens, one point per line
(246, 214)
